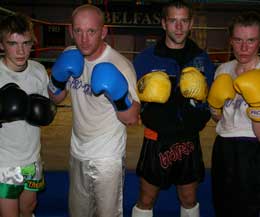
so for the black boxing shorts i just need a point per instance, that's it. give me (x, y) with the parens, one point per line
(165, 162)
(235, 176)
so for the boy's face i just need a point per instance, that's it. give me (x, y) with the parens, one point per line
(17, 48)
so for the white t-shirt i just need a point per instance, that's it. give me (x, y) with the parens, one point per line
(19, 141)
(97, 132)
(234, 121)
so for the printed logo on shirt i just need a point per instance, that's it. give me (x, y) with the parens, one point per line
(156, 70)
(236, 103)
(79, 85)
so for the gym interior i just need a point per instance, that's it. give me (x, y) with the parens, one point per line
(133, 25)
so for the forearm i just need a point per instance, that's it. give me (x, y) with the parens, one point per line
(58, 98)
(131, 115)
(256, 129)
(216, 114)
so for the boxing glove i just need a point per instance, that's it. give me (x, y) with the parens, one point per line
(107, 79)
(41, 110)
(13, 103)
(154, 87)
(69, 63)
(221, 90)
(248, 85)
(193, 84)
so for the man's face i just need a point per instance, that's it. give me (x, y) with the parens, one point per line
(245, 42)
(88, 33)
(177, 26)
(17, 48)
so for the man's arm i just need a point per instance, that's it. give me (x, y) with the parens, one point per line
(58, 98)
(256, 129)
(130, 116)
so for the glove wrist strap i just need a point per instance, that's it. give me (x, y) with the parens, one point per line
(123, 103)
(254, 113)
(56, 86)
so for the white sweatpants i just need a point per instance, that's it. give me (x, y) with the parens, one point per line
(96, 187)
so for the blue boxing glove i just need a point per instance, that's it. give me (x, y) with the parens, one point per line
(107, 79)
(69, 63)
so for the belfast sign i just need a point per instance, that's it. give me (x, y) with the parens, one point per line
(132, 18)
(134, 15)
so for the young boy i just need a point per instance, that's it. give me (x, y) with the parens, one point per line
(24, 107)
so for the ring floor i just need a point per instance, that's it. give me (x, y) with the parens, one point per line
(52, 202)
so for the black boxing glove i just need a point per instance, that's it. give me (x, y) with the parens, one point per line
(41, 110)
(13, 103)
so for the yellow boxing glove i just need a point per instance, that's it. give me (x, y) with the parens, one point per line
(248, 85)
(193, 84)
(154, 87)
(221, 90)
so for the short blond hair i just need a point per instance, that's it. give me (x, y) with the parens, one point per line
(88, 7)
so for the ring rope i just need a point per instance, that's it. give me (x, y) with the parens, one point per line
(113, 26)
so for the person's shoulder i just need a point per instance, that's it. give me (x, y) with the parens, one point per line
(194, 47)
(144, 54)
(112, 51)
(1, 63)
(115, 55)
(146, 51)
(226, 67)
(203, 53)
(36, 64)
(227, 64)
(71, 47)
(37, 68)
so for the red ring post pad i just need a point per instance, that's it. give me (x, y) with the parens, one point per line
(107, 79)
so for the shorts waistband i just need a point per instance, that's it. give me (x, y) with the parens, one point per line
(150, 134)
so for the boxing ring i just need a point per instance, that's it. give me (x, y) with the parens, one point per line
(53, 37)
(56, 137)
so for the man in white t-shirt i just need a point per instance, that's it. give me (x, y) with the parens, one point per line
(102, 84)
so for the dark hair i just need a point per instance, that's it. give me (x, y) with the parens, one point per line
(176, 4)
(16, 23)
(249, 18)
